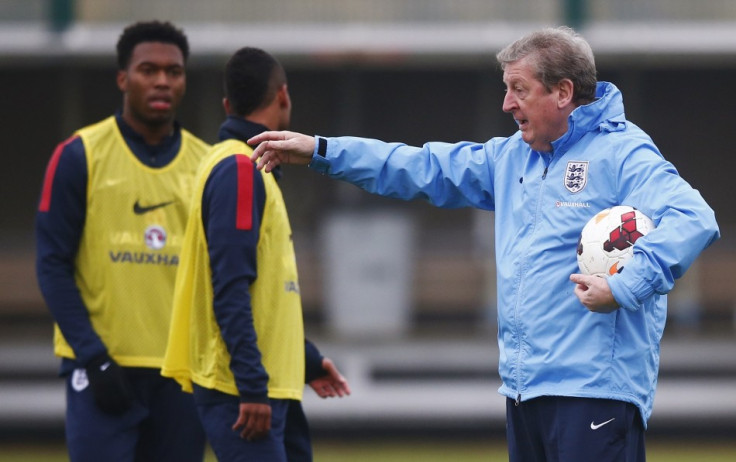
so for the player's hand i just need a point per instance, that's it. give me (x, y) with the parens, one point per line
(254, 421)
(594, 293)
(110, 387)
(332, 384)
(275, 148)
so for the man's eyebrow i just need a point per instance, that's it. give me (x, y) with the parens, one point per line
(155, 64)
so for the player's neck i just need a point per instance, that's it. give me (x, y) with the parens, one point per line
(152, 134)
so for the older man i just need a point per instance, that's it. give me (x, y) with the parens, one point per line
(578, 362)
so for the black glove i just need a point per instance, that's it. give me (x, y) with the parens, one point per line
(110, 386)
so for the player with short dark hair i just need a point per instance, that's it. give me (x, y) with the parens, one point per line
(237, 336)
(578, 362)
(149, 31)
(109, 227)
(252, 80)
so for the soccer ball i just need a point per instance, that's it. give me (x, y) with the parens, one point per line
(607, 240)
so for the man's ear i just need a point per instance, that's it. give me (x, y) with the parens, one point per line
(122, 80)
(565, 93)
(283, 96)
(226, 105)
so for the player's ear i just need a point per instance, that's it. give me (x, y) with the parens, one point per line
(226, 105)
(122, 80)
(283, 97)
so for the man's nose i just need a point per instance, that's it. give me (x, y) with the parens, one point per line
(162, 78)
(509, 102)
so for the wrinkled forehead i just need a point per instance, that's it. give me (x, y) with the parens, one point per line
(519, 70)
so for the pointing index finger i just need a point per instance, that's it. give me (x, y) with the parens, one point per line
(261, 137)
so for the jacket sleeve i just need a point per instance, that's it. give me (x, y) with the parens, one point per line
(445, 175)
(232, 208)
(685, 226)
(312, 362)
(59, 224)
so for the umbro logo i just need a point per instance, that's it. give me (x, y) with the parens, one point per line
(138, 209)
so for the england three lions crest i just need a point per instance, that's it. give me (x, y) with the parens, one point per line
(576, 175)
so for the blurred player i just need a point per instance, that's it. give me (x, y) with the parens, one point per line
(109, 227)
(578, 362)
(236, 338)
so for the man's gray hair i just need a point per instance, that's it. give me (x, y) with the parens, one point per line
(556, 54)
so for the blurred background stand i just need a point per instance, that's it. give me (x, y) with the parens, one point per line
(368, 274)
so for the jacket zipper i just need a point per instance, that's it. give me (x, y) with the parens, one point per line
(518, 384)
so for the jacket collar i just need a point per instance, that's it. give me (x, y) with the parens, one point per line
(239, 128)
(236, 127)
(605, 113)
(152, 155)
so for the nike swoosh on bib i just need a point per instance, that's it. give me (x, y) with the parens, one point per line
(138, 209)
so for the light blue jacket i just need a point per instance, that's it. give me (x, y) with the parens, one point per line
(550, 344)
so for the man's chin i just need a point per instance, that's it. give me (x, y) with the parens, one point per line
(158, 120)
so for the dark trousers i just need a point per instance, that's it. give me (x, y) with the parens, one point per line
(161, 426)
(287, 441)
(297, 439)
(563, 429)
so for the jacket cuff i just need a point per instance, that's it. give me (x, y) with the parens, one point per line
(629, 298)
(259, 398)
(312, 362)
(319, 160)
